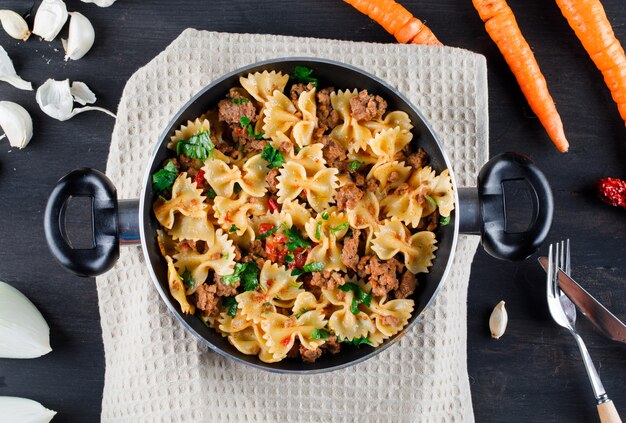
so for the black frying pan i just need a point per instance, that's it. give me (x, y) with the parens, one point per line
(478, 210)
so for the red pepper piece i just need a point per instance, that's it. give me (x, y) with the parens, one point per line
(272, 205)
(612, 191)
(199, 179)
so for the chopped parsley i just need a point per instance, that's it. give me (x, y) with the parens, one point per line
(354, 165)
(245, 124)
(233, 228)
(431, 200)
(338, 228)
(267, 233)
(325, 215)
(267, 306)
(289, 258)
(239, 101)
(202, 320)
(444, 221)
(198, 146)
(356, 341)
(295, 238)
(244, 121)
(316, 266)
(230, 304)
(319, 334)
(164, 178)
(236, 188)
(245, 273)
(188, 279)
(360, 296)
(354, 307)
(211, 193)
(273, 157)
(303, 74)
(318, 230)
(302, 311)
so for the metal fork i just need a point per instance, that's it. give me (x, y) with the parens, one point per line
(563, 313)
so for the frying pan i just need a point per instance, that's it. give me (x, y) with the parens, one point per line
(479, 210)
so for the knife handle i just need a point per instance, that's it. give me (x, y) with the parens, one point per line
(608, 413)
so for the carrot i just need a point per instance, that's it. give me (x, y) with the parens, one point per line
(396, 20)
(503, 30)
(588, 20)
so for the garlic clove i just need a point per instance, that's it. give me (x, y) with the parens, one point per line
(56, 100)
(23, 331)
(498, 320)
(23, 410)
(81, 37)
(7, 72)
(14, 25)
(16, 124)
(82, 94)
(49, 19)
(101, 3)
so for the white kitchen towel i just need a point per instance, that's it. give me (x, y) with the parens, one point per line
(157, 372)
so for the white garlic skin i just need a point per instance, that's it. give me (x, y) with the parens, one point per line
(24, 332)
(81, 37)
(23, 410)
(498, 320)
(7, 72)
(16, 124)
(101, 3)
(56, 100)
(14, 25)
(49, 19)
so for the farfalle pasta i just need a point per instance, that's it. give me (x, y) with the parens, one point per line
(296, 220)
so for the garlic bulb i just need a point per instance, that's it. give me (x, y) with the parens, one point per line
(7, 72)
(23, 331)
(82, 94)
(498, 321)
(16, 124)
(49, 19)
(14, 25)
(101, 3)
(81, 37)
(56, 100)
(23, 410)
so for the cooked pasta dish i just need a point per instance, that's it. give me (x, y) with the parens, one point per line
(296, 219)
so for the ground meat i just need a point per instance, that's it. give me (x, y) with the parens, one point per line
(290, 322)
(327, 117)
(402, 189)
(332, 151)
(272, 181)
(294, 352)
(247, 142)
(309, 356)
(382, 274)
(359, 179)
(237, 252)
(187, 163)
(367, 106)
(372, 185)
(350, 251)
(394, 176)
(223, 289)
(432, 221)
(331, 345)
(285, 147)
(348, 196)
(417, 160)
(390, 321)
(230, 112)
(297, 89)
(327, 280)
(407, 285)
(206, 299)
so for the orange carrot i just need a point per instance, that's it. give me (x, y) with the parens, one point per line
(396, 20)
(503, 30)
(588, 20)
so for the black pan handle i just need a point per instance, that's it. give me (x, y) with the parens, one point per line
(482, 209)
(111, 222)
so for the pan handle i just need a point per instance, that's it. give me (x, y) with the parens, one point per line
(113, 223)
(482, 209)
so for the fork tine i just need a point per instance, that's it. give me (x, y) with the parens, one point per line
(568, 268)
(550, 273)
(557, 265)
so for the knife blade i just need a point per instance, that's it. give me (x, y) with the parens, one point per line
(603, 319)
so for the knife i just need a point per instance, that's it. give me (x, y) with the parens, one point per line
(603, 319)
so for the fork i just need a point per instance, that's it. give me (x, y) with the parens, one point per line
(563, 313)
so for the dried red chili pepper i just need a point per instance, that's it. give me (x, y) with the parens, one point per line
(612, 191)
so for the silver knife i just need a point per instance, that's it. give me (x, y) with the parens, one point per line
(603, 319)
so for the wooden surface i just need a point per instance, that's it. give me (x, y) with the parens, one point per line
(533, 374)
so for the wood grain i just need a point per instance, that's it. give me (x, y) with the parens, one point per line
(534, 373)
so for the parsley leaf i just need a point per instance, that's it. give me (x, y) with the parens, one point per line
(164, 178)
(302, 311)
(267, 233)
(273, 157)
(254, 134)
(295, 239)
(211, 193)
(359, 295)
(236, 188)
(356, 341)
(303, 74)
(319, 334)
(316, 266)
(239, 101)
(289, 258)
(246, 273)
(233, 228)
(318, 230)
(244, 121)
(338, 228)
(354, 165)
(354, 307)
(230, 304)
(325, 215)
(431, 200)
(444, 221)
(201, 319)
(198, 146)
(187, 278)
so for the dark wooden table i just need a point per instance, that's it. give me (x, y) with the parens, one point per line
(533, 374)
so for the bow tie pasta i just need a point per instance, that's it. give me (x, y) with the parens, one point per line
(296, 219)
